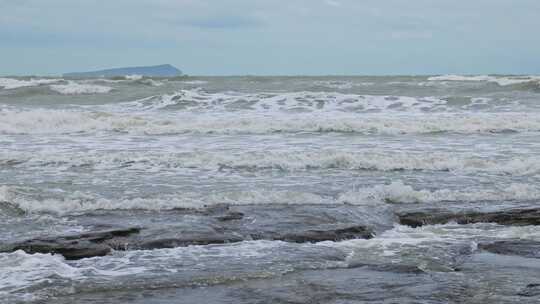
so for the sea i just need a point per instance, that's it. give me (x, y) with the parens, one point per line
(79, 154)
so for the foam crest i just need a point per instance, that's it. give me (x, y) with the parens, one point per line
(197, 99)
(341, 85)
(500, 80)
(10, 83)
(73, 88)
(21, 270)
(379, 160)
(44, 121)
(195, 82)
(398, 192)
(394, 193)
(404, 244)
(32, 272)
(134, 77)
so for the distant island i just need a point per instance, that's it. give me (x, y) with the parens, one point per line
(164, 70)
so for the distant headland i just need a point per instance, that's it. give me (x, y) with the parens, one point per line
(163, 70)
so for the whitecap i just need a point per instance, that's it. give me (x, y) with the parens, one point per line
(10, 83)
(393, 193)
(134, 77)
(46, 121)
(73, 88)
(369, 159)
(500, 80)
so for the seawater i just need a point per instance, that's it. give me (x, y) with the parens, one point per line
(74, 146)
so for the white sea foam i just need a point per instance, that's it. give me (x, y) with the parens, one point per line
(394, 193)
(341, 85)
(197, 99)
(151, 82)
(404, 244)
(397, 192)
(379, 160)
(500, 80)
(195, 82)
(44, 121)
(10, 83)
(134, 77)
(21, 271)
(73, 88)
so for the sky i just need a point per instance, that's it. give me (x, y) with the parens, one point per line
(272, 37)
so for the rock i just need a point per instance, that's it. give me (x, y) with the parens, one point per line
(515, 217)
(9, 209)
(216, 224)
(531, 290)
(230, 216)
(188, 240)
(395, 268)
(524, 248)
(76, 246)
(313, 236)
(70, 250)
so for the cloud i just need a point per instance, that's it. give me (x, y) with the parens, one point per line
(411, 35)
(332, 3)
(224, 22)
(271, 36)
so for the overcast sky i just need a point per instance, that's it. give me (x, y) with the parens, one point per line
(272, 37)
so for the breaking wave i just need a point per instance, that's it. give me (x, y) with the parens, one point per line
(73, 88)
(197, 99)
(11, 83)
(393, 193)
(275, 160)
(48, 121)
(499, 80)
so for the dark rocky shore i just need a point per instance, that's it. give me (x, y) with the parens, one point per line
(455, 278)
(229, 224)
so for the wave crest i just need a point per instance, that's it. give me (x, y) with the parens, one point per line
(499, 80)
(11, 83)
(73, 88)
(44, 121)
(275, 160)
(394, 193)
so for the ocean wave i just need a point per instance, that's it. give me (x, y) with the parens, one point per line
(275, 160)
(197, 99)
(130, 80)
(34, 272)
(406, 245)
(150, 82)
(398, 192)
(11, 83)
(341, 85)
(47, 121)
(21, 270)
(134, 77)
(500, 80)
(34, 201)
(195, 82)
(26, 275)
(73, 88)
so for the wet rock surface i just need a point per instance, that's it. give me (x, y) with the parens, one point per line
(531, 290)
(222, 224)
(214, 225)
(323, 254)
(514, 217)
(76, 246)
